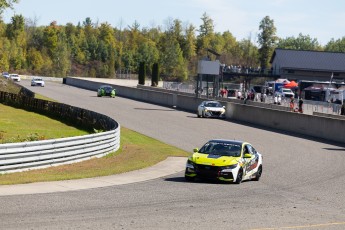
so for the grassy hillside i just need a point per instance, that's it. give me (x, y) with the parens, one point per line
(8, 86)
(136, 151)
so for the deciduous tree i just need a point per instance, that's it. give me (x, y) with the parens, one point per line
(267, 40)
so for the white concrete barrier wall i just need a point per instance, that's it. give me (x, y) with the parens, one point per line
(151, 96)
(314, 126)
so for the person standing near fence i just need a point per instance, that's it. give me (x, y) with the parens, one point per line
(300, 105)
(342, 110)
(292, 104)
(275, 99)
(279, 100)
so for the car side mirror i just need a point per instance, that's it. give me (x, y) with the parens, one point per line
(247, 155)
(195, 150)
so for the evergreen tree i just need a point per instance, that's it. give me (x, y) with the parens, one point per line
(142, 73)
(155, 74)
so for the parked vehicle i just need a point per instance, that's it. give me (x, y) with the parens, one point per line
(232, 93)
(255, 92)
(225, 160)
(285, 92)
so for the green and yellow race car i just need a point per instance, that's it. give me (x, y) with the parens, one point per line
(106, 90)
(225, 160)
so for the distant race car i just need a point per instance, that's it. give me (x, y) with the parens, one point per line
(106, 90)
(37, 81)
(211, 109)
(6, 75)
(225, 160)
(14, 77)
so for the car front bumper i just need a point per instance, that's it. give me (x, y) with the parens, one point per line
(210, 172)
(216, 114)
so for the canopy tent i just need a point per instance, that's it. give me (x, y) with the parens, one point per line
(291, 84)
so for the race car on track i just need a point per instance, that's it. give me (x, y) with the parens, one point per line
(106, 90)
(211, 109)
(37, 81)
(225, 160)
(14, 77)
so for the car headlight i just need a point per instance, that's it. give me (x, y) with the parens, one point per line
(229, 168)
(190, 167)
(190, 164)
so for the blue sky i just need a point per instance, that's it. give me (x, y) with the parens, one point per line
(320, 19)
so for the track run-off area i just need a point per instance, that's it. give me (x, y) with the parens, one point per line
(302, 187)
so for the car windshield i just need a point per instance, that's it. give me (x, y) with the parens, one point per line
(213, 104)
(222, 149)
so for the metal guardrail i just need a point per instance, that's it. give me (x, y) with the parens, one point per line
(15, 157)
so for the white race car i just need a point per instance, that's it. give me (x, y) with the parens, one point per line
(37, 81)
(14, 77)
(211, 109)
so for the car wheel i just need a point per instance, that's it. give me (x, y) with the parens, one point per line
(258, 174)
(203, 114)
(239, 176)
(197, 113)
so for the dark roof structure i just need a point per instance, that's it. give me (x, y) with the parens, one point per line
(308, 60)
(308, 65)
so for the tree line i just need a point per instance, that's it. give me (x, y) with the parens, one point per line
(95, 49)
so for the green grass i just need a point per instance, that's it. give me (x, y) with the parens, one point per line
(7, 85)
(136, 152)
(18, 125)
(39, 96)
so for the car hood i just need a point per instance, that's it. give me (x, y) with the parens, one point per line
(213, 160)
(108, 90)
(215, 108)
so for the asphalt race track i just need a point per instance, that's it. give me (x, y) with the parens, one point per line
(302, 187)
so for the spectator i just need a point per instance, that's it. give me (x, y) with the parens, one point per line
(222, 92)
(239, 95)
(257, 96)
(342, 110)
(292, 104)
(300, 105)
(279, 99)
